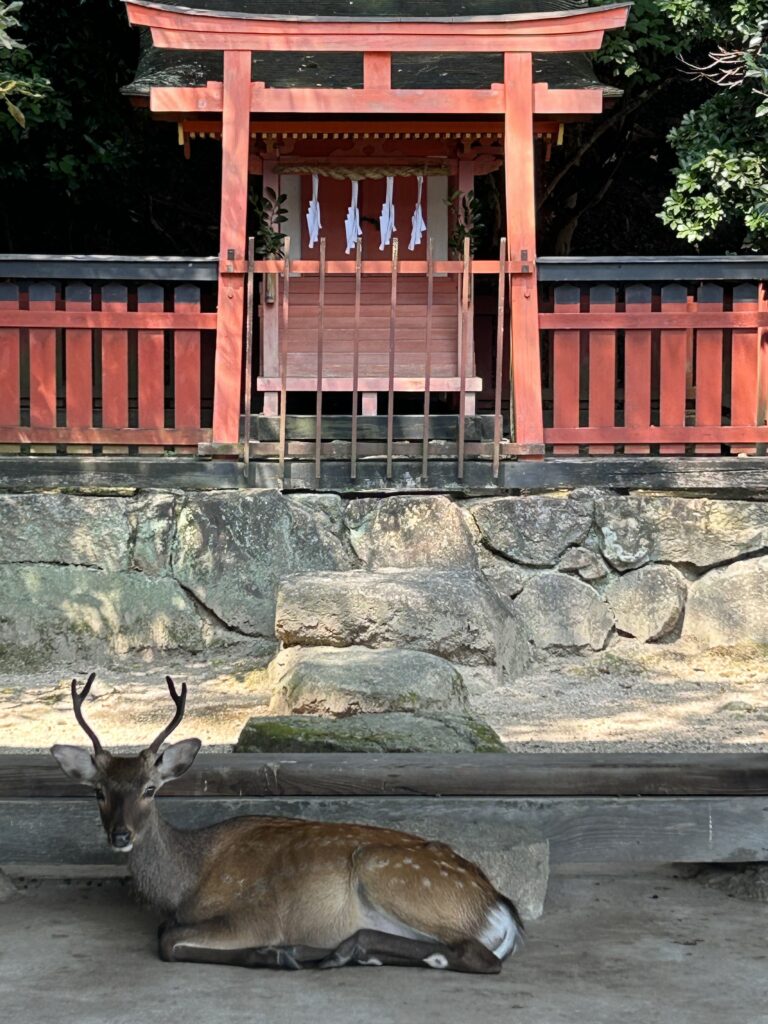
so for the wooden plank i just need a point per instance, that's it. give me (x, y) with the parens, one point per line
(672, 367)
(580, 830)
(114, 361)
(285, 314)
(709, 367)
(367, 449)
(78, 344)
(153, 436)
(378, 383)
(566, 366)
(578, 774)
(428, 342)
(391, 373)
(519, 163)
(42, 361)
(235, 144)
(10, 343)
(356, 353)
(186, 361)
(372, 428)
(44, 316)
(319, 377)
(151, 363)
(676, 317)
(745, 346)
(464, 343)
(637, 367)
(501, 306)
(676, 437)
(602, 369)
(248, 356)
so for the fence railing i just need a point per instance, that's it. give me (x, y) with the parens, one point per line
(663, 366)
(105, 355)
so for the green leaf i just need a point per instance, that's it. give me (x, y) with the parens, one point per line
(15, 113)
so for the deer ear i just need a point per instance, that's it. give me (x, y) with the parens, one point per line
(77, 763)
(176, 759)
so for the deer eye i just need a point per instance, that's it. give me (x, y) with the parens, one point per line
(149, 791)
(99, 795)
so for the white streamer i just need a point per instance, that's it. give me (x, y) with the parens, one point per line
(352, 222)
(418, 224)
(313, 213)
(387, 218)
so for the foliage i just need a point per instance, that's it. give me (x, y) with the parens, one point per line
(32, 86)
(468, 221)
(721, 144)
(270, 213)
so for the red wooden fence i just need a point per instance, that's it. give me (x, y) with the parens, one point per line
(118, 366)
(669, 370)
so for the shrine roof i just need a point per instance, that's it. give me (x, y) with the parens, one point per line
(164, 67)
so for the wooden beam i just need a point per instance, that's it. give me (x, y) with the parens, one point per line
(556, 31)
(374, 99)
(519, 171)
(234, 204)
(480, 775)
(104, 435)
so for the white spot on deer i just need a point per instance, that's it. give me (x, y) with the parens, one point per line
(436, 960)
(444, 874)
(380, 863)
(407, 860)
(373, 962)
(426, 883)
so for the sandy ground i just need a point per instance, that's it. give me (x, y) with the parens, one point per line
(642, 950)
(630, 697)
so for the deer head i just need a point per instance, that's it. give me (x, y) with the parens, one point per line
(125, 786)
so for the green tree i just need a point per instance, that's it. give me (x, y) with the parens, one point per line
(31, 86)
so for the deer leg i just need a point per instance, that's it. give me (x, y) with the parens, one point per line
(377, 949)
(206, 943)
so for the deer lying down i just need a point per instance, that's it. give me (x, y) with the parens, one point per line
(281, 892)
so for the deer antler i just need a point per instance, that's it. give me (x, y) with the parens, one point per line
(179, 699)
(77, 701)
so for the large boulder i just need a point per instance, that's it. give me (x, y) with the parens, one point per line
(638, 529)
(66, 529)
(562, 613)
(52, 614)
(454, 614)
(648, 602)
(406, 531)
(534, 530)
(231, 549)
(729, 606)
(357, 680)
(390, 732)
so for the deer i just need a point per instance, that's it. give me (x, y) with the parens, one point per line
(288, 893)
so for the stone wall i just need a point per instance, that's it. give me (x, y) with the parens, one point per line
(490, 585)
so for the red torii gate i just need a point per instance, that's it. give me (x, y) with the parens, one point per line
(517, 100)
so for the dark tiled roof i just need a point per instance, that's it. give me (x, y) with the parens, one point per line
(344, 70)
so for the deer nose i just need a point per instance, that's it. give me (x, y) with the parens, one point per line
(120, 838)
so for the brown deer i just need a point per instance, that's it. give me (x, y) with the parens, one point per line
(283, 892)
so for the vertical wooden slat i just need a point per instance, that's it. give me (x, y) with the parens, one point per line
(709, 367)
(79, 361)
(10, 345)
(248, 375)
(637, 367)
(500, 309)
(566, 368)
(428, 358)
(319, 383)
(672, 366)
(151, 368)
(186, 361)
(762, 374)
(464, 328)
(744, 365)
(602, 368)
(42, 364)
(114, 365)
(391, 377)
(235, 142)
(283, 344)
(356, 354)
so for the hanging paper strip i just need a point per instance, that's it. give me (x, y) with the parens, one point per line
(313, 213)
(387, 218)
(352, 222)
(418, 224)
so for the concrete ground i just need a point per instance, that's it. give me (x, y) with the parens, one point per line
(609, 950)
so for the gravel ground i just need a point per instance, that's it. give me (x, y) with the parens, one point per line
(630, 697)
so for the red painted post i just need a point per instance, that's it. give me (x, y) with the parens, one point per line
(521, 241)
(602, 367)
(42, 360)
(709, 367)
(745, 348)
(234, 207)
(637, 367)
(672, 366)
(79, 389)
(10, 406)
(566, 367)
